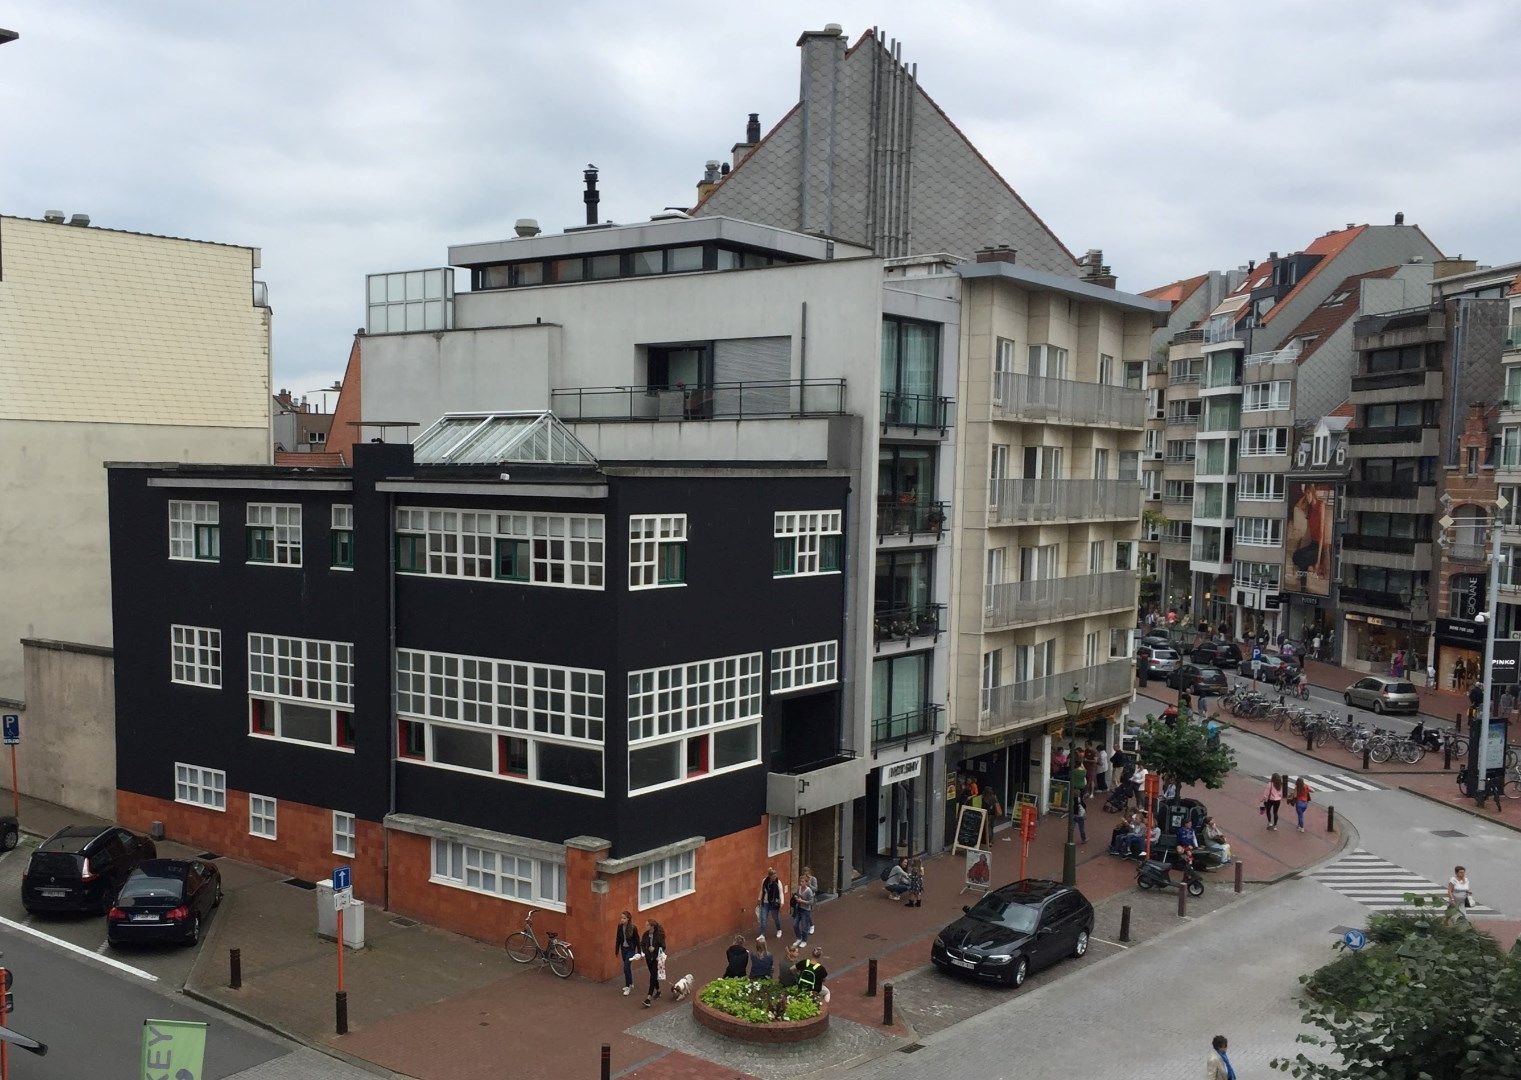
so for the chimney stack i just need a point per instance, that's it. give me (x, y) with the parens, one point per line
(1399, 217)
(996, 253)
(752, 129)
(591, 198)
(1094, 272)
(710, 177)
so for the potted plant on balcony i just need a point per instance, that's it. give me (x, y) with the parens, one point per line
(926, 621)
(934, 519)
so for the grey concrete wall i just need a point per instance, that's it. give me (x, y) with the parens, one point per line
(68, 735)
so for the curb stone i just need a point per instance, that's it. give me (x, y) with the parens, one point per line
(1471, 812)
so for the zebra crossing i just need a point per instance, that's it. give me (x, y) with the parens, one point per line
(1382, 885)
(1336, 783)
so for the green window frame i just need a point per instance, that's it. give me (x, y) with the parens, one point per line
(831, 552)
(343, 548)
(673, 563)
(784, 556)
(411, 553)
(261, 543)
(512, 559)
(208, 542)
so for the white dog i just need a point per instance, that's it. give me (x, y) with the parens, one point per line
(681, 988)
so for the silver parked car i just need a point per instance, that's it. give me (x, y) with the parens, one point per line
(1162, 662)
(1383, 694)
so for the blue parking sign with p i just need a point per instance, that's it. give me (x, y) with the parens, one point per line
(12, 728)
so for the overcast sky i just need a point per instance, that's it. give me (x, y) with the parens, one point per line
(352, 137)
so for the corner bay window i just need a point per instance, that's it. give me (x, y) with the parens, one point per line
(536, 881)
(301, 690)
(807, 542)
(541, 549)
(657, 550)
(693, 720)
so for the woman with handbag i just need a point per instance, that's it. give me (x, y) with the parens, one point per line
(1272, 800)
(652, 945)
(1460, 889)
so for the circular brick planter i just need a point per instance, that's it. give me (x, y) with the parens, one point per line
(780, 1031)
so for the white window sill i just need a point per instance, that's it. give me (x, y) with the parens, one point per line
(204, 806)
(661, 903)
(299, 742)
(535, 902)
(201, 685)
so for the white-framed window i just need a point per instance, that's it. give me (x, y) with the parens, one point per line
(804, 666)
(1259, 397)
(807, 542)
(1259, 532)
(657, 550)
(195, 656)
(1121, 643)
(410, 300)
(540, 882)
(1048, 361)
(1124, 554)
(261, 816)
(343, 834)
(778, 834)
(992, 676)
(343, 537)
(1091, 649)
(301, 690)
(1105, 369)
(998, 472)
(1259, 487)
(666, 879)
(563, 550)
(533, 723)
(1264, 442)
(1321, 446)
(1003, 370)
(1257, 574)
(195, 531)
(200, 786)
(274, 533)
(693, 720)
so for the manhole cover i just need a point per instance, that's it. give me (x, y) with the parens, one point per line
(1451, 834)
(300, 883)
(209, 856)
(403, 922)
(873, 937)
(911, 1048)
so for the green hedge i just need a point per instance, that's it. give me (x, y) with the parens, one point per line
(1344, 980)
(758, 1001)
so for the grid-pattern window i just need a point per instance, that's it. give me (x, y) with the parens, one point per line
(1259, 487)
(693, 720)
(807, 542)
(261, 816)
(195, 532)
(1264, 442)
(1261, 532)
(410, 300)
(657, 550)
(343, 834)
(1257, 574)
(302, 668)
(200, 786)
(343, 536)
(195, 656)
(540, 882)
(1258, 397)
(666, 879)
(802, 666)
(529, 722)
(778, 834)
(564, 550)
(274, 533)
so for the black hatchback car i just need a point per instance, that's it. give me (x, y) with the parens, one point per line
(1220, 654)
(80, 868)
(1197, 679)
(1014, 930)
(164, 900)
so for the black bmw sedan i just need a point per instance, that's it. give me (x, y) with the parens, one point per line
(1014, 930)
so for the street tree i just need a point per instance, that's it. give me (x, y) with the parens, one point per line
(1438, 1006)
(1182, 750)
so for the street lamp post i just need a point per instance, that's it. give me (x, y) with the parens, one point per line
(1074, 703)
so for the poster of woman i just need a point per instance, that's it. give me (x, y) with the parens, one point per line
(1309, 539)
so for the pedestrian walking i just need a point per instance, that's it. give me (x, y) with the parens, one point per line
(1315, 648)
(1090, 765)
(768, 908)
(762, 963)
(626, 947)
(1080, 817)
(737, 958)
(1101, 759)
(1430, 676)
(1460, 889)
(1301, 800)
(652, 945)
(915, 895)
(803, 898)
(1220, 1067)
(1272, 800)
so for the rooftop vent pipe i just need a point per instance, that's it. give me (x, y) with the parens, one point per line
(1399, 218)
(55, 216)
(591, 198)
(526, 226)
(82, 220)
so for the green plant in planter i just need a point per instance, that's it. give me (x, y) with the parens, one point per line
(758, 1001)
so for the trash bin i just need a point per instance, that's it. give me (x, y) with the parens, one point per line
(327, 918)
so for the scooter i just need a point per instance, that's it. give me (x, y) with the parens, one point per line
(1158, 875)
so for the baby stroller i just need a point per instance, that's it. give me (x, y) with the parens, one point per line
(1118, 798)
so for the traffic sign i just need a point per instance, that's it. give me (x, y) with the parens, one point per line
(343, 887)
(12, 728)
(1256, 652)
(1354, 939)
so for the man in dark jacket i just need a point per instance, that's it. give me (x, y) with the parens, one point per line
(738, 958)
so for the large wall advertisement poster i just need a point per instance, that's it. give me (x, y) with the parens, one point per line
(1311, 517)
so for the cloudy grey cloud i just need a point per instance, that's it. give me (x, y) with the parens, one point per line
(351, 137)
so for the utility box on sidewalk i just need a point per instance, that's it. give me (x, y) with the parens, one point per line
(327, 918)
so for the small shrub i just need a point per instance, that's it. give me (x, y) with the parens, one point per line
(759, 1001)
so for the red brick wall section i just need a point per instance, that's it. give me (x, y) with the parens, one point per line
(303, 846)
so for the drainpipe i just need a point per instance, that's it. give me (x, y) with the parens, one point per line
(385, 869)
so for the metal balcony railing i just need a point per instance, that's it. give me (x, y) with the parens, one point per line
(1031, 397)
(1013, 501)
(1389, 545)
(895, 517)
(1385, 489)
(918, 723)
(918, 411)
(1014, 602)
(1040, 699)
(907, 623)
(756, 399)
(1182, 419)
(1289, 352)
(1512, 338)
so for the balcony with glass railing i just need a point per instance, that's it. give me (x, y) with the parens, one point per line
(1015, 502)
(1030, 397)
(1017, 603)
(1287, 354)
(1038, 700)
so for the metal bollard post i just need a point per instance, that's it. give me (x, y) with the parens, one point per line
(1366, 757)
(1447, 757)
(1309, 739)
(607, 1061)
(1330, 819)
(871, 977)
(342, 1003)
(1240, 873)
(1125, 923)
(235, 962)
(887, 1004)
(1182, 900)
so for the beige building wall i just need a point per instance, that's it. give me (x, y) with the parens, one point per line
(113, 346)
(68, 731)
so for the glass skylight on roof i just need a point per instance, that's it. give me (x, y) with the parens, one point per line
(534, 438)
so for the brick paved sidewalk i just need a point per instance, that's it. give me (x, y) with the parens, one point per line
(1442, 787)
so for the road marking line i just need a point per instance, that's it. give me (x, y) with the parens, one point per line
(1104, 941)
(71, 947)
